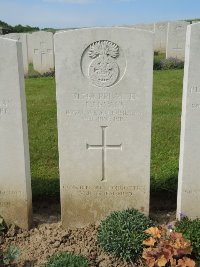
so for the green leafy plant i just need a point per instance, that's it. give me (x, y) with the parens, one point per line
(157, 59)
(156, 64)
(191, 231)
(166, 248)
(167, 64)
(64, 259)
(9, 256)
(172, 63)
(122, 234)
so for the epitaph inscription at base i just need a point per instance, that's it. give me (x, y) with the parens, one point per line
(104, 92)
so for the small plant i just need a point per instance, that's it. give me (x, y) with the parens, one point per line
(191, 231)
(172, 63)
(122, 234)
(50, 73)
(167, 248)
(64, 259)
(156, 64)
(9, 256)
(35, 74)
(167, 64)
(157, 59)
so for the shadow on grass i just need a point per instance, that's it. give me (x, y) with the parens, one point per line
(163, 195)
(169, 184)
(45, 188)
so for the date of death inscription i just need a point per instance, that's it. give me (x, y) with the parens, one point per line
(104, 107)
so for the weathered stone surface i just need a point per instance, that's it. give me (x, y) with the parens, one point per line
(43, 51)
(21, 37)
(176, 37)
(147, 27)
(15, 181)
(160, 30)
(189, 167)
(104, 95)
(30, 48)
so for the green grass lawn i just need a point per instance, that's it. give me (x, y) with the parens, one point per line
(41, 107)
(167, 99)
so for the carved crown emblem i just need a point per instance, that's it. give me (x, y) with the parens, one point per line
(103, 48)
(103, 70)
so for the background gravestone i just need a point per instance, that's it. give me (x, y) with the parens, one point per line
(160, 30)
(21, 37)
(104, 100)
(30, 48)
(189, 167)
(43, 51)
(147, 27)
(176, 38)
(15, 181)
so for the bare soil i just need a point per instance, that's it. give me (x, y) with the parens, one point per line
(48, 237)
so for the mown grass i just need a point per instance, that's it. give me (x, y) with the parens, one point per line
(167, 98)
(165, 132)
(41, 109)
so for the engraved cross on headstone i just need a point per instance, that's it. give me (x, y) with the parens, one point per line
(178, 47)
(104, 147)
(43, 51)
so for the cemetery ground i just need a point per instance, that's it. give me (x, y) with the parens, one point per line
(47, 236)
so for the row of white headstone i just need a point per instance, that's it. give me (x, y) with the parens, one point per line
(104, 101)
(170, 37)
(38, 47)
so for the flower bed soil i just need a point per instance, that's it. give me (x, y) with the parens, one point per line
(48, 237)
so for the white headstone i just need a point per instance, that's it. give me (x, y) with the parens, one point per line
(160, 36)
(15, 181)
(104, 100)
(189, 164)
(147, 27)
(30, 48)
(176, 37)
(21, 37)
(43, 51)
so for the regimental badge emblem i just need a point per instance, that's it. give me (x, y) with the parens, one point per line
(103, 70)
